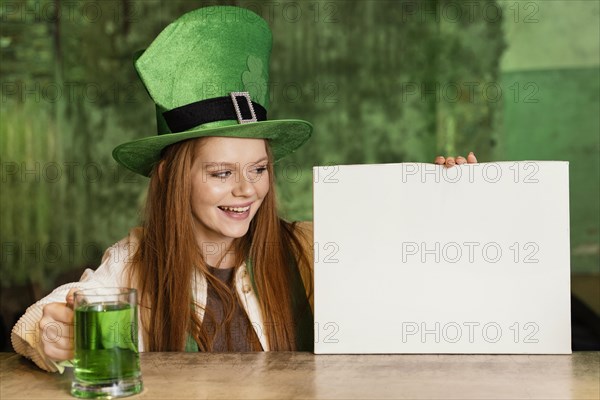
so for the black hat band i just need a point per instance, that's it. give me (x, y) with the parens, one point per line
(236, 106)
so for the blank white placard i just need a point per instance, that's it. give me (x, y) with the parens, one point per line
(417, 258)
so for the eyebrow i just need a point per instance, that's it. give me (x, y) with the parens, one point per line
(209, 164)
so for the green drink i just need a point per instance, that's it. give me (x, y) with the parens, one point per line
(106, 344)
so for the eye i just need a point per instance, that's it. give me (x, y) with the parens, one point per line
(221, 174)
(261, 169)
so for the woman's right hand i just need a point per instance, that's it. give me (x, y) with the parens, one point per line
(56, 329)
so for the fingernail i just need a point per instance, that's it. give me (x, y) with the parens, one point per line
(470, 153)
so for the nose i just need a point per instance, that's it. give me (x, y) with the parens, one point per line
(244, 187)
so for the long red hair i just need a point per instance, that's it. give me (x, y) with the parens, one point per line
(165, 261)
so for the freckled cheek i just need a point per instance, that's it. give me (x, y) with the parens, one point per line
(261, 192)
(217, 194)
(210, 195)
(262, 186)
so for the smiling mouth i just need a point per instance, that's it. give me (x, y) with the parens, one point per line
(237, 210)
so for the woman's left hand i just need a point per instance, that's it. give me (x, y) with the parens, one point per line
(452, 161)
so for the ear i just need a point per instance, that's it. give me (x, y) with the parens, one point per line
(161, 167)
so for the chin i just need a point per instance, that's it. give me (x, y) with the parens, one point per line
(236, 233)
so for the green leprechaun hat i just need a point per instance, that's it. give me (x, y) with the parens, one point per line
(208, 74)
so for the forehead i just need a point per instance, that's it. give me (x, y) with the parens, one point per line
(228, 149)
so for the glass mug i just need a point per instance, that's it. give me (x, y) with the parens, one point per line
(106, 362)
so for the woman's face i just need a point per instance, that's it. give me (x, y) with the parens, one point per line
(229, 182)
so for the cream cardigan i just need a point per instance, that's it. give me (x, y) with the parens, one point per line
(26, 334)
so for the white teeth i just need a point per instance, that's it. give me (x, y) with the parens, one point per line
(236, 209)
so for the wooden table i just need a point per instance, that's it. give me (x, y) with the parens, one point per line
(176, 376)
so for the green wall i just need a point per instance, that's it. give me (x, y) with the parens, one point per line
(550, 74)
(563, 124)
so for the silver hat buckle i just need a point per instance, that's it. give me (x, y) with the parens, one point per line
(240, 118)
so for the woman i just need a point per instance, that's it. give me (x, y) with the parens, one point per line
(215, 267)
(230, 220)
